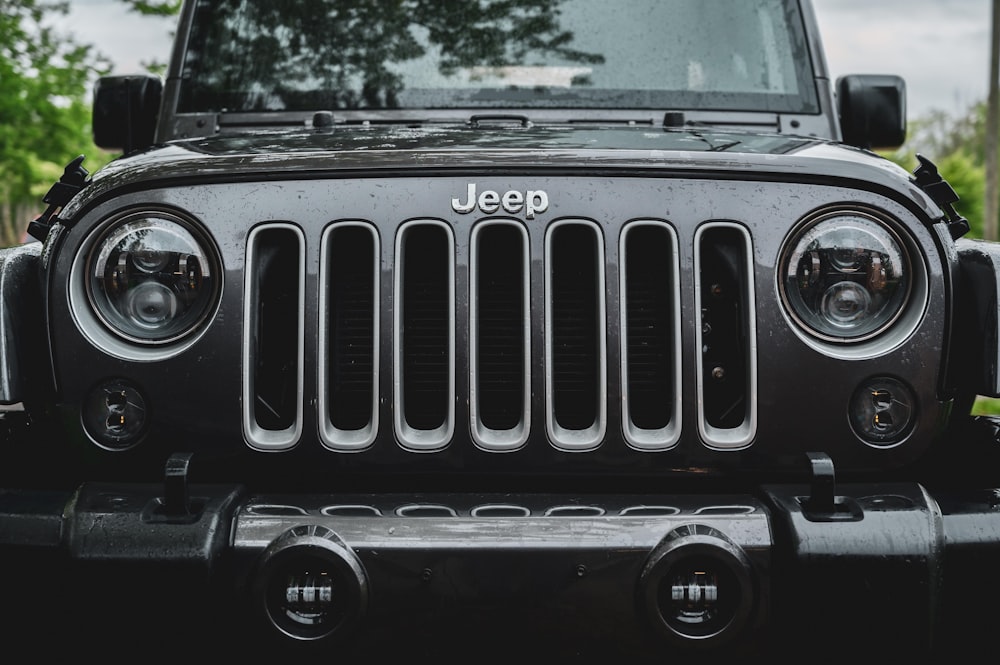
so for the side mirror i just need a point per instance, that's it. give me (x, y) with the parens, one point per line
(125, 111)
(872, 110)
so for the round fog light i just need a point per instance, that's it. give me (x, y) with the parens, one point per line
(690, 600)
(311, 585)
(883, 410)
(114, 415)
(696, 587)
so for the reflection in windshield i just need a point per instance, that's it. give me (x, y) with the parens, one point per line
(302, 55)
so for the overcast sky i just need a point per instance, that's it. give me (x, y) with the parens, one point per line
(941, 47)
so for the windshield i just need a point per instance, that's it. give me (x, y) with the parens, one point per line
(307, 55)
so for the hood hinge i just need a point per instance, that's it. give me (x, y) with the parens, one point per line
(74, 178)
(936, 187)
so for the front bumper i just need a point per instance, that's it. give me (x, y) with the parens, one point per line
(889, 569)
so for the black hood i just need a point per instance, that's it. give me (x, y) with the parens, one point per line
(359, 150)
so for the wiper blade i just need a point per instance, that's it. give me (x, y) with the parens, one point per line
(719, 147)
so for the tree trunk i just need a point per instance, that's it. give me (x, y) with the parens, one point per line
(991, 218)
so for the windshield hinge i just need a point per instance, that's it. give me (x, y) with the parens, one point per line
(74, 178)
(943, 194)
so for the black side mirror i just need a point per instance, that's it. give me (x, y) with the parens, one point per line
(872, 110)
(125, 111)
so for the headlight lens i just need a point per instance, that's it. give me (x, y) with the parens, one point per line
(846, 277)
(152, 278)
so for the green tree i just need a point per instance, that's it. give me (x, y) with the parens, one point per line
(155, 8)
(44, 115)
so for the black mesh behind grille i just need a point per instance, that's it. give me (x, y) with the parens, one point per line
(724, 319)
(275, 339)
(575, 325)
(649, 340)
(500, 290)
(352, 269)
(425, 325)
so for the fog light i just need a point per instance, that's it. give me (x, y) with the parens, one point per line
(114, 415)
(311, 585)
(309, 596)
(694, 595)
(696, 587)
(883, 410)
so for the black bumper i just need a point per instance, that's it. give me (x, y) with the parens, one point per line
(888, 569)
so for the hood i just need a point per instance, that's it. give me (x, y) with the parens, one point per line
(357, 150)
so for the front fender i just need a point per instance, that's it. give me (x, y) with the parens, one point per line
(977, 334)
(23, 364)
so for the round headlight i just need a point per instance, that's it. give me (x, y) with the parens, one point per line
(845, 277)
(152, 278)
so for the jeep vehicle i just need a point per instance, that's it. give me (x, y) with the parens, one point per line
(557, 329)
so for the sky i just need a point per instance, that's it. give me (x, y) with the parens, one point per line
(940, 47)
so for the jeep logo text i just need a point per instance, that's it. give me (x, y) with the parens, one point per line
(532, 201)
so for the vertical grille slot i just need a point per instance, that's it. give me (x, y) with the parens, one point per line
(727, 338)
(424, 342)
(348, 350)
(650, 320)
(575, 346)
(274, 306)
(499, 335)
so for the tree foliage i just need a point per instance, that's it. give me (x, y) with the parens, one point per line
(44, 116)
(155, 8)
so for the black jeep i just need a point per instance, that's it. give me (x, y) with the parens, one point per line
(500, 328)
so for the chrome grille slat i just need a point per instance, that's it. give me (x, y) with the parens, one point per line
(424, 335)
(499, 336)
(650, 335)
(575, 344)
(727, 371)
(348, 350)
(273, 352)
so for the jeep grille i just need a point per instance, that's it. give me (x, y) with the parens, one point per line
(426, 305)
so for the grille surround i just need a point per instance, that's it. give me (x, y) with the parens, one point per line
(205, 399)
